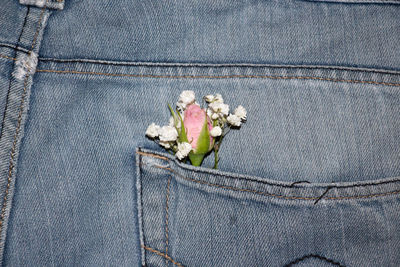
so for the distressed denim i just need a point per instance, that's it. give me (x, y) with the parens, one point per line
(311, 179)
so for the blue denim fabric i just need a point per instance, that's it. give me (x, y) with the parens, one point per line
(311, 179)
(215, 218)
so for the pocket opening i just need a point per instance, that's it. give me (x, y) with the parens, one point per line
(267, 187)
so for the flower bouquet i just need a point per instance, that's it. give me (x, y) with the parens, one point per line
(193, 132)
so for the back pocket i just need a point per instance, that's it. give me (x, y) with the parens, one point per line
(194, 216)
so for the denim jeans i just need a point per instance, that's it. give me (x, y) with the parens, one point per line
(311, 179)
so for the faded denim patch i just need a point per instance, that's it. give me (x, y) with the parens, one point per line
(55, 4)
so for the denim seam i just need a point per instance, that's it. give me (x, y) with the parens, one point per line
(166, 218)
(205, 65)
(14, 47)
(4, 114)
(265, 182)
(140, 210)
(218, 77)
(199, 65)
(17, 130)
(142, 239)
(269, 194)
(159, 253)
(7, 57)
(212, 65)
(10, 82)
(38, 28)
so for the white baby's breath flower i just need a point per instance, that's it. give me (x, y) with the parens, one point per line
(153, 130)
(185, 147)
(209, 98)
(241, 112)
(181, 106)
(221, 108)
(216, 131)
(168, 134)
(234, 120)
(179, 155)
(209, 112)
(214, 116)
(186, 97)
(183, 150)
(166, 145)
(218, 98)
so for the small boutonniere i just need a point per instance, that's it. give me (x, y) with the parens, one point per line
(193, 132)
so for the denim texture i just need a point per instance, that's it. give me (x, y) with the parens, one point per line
(311, 179)
(221, 31)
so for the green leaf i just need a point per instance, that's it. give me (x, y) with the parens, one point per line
(196, 159)
(182, 133)
(203, 143)
(173, 115)
(203, 146)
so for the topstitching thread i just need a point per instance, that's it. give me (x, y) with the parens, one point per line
(218, 76)
(166, 219)
(205, 65)
(10, 82)
(221, 76)
(7, 57)
(222, 65)
(268, 183)
(162, 255)
(270, 194)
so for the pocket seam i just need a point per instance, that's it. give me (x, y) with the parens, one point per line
(269, 194)
(363, 184)
(140, 217)
(166, 217)
(159, 253)
(256, 191)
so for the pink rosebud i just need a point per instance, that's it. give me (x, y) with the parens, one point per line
(194, 118)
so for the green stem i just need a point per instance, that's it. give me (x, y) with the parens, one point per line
(216, 159)
(216, 150)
